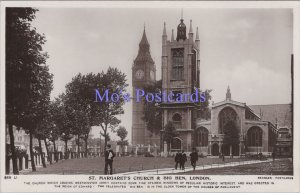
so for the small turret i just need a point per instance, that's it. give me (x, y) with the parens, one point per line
(197, 39)
(191, 34)
(164, 40)
(228, 94)
(181, 31)
(172, 37)
(164, 36)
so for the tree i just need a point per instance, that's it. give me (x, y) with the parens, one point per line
(37, 106)
(107, 112)
(44, 133)
(152, 112)
(26, 74)
(40, 135)
(62, 121)
(19, 63)
(231, 134)
(169, 133)
(122, 133)
(78, 101)
(203, 109)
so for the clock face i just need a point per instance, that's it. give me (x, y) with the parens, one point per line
(152, 75)
(139, 74)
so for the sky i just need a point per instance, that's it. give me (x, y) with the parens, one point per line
(246, 49)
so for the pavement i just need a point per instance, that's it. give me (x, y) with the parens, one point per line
(198, 168)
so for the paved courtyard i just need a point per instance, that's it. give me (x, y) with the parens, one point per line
(279, 167)
(121, 165)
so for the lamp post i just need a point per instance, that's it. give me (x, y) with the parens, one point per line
(100, 146)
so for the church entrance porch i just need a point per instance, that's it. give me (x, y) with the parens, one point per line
(215, 149)
(176, 144)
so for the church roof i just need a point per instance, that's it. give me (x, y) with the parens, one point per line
(228, 102)
(281, 112)
(144, 51)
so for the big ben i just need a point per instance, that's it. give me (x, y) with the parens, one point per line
(143, 74)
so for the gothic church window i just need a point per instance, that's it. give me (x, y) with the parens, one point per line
(201, 137)
(177, 64)
(254, 137)
(177, 120)
(227, 117)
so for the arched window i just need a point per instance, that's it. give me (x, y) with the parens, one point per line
(176, 143)
(177, 120)
(254, 137)
(227, 117)
(201, 137)
(177, 64)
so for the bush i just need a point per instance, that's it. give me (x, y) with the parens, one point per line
(148, 154)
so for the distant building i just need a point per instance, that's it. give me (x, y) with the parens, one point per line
(281, 116)
(235, 129)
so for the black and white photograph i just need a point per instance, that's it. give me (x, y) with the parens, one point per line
(197, 93)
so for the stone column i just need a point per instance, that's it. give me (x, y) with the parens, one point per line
(220, 147)
(23, 162)
(10, 166)
(230, 150)
(209, 148)
(165, 149)
(117, 150)
(136, 150)
(155, 150)
(240, 148)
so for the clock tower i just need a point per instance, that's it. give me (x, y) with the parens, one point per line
(143, 74)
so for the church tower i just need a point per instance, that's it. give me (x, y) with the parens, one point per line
(143, 74)
(180, 75)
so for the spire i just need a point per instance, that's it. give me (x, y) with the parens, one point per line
(228, 94)
(165, 31)
(172, 37)
(197, 34)
(144, 49)
(181, 14)
(144, 40)
(191, 28)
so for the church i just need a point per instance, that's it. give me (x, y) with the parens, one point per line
(234, 128)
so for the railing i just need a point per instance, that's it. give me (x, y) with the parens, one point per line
(24, 162)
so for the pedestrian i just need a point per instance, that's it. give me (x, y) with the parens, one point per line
(109, 157)
(177, 159)
(223, 157)
(260, 156)
(273, 156)
(183, 160)
(194, 158)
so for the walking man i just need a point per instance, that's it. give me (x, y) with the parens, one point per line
(177, 159)
(109, 156)
(273, 156)
(183, 160)
(194, 158)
